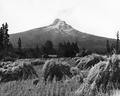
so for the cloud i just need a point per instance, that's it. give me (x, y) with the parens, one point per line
(65, 13)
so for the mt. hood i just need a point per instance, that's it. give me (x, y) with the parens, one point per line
(58, 31)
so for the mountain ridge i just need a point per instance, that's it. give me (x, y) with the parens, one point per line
(58, 31)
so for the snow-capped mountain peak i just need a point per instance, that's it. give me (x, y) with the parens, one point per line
(60, 25)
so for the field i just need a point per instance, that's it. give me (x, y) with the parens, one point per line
(66, 87)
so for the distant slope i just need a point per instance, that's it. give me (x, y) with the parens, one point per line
(57, 32)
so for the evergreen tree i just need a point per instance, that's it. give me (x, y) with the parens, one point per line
(5, 36)
(6, 48)
(20, 52)
(37, 48)
(61, 50)
(75, 47)
(117, 43)
(37, 51)
(10, 47)
(1, 38)
(19, 44)
(108, 46)
(47, 48)
(67, 49)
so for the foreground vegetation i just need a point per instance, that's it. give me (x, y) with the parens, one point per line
(84, 75)
(77, 85)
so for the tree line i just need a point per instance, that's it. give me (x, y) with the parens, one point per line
(65, 49)
(114, 47)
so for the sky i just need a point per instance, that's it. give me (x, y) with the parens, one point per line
(98, 17)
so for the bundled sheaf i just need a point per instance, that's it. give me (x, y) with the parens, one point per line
(103, 76)
(37, 62)
(10, 71)
(56, 69)
(75, 70)
(89, 61)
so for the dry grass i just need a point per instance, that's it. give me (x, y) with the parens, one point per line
(116, 93)
(89, 61)
(56, 69)
(102, 77)
(10, 71)
(69, 87)
(27, 88)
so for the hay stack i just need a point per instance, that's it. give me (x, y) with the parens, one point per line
(16, 71)
(35, 81)
(89, 83)
(89, 61)
(75, 79)
(37, 62)
(109, 73)
(77, 60)
(103, 76)
(53, 68)
(74, 70)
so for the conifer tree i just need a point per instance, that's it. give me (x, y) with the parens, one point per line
(47, 48)
(19, 44)
(37, 51)
(5, 35)
(1, 38)
(117, 43)
(107, 46)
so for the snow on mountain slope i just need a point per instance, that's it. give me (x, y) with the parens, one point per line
(58, 31)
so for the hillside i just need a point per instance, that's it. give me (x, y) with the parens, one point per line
(57, 32)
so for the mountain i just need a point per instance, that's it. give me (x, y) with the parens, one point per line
(58, 31)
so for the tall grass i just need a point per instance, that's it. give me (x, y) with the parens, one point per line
(61, 88)
(26, 88)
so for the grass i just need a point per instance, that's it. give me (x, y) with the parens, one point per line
(27, 88)
(116, 93)
(61, 88)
